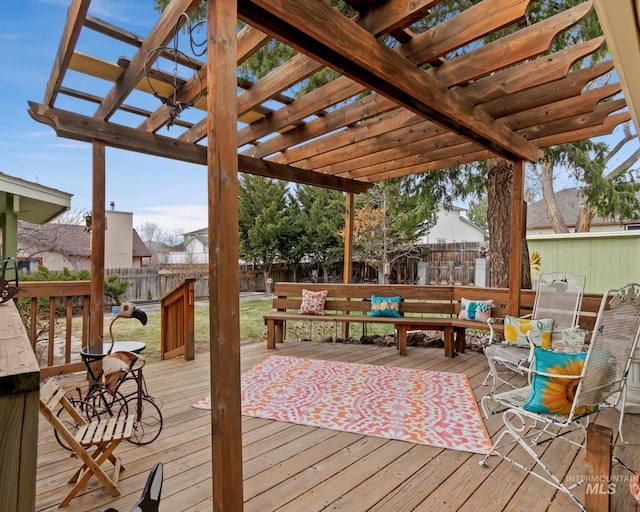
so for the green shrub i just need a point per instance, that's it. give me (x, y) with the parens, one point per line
(114, 291)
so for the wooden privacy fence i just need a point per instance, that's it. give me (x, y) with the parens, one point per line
(152, 283)
(177, 331)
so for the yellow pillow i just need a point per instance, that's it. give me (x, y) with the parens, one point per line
(516, 329)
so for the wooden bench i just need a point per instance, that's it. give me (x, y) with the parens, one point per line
(423, 307)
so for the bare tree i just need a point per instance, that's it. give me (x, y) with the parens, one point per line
(158, 240)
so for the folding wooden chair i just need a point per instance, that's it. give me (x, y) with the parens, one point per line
(567, 389)
(101, 435)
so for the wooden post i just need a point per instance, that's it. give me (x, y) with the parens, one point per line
(98, 224)
(10, 230)
(598, 458)
(517, 235)
(347, 272)
(189, 319)
(222, 162)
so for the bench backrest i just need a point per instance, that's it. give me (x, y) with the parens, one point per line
(441, 300)
(344, 298)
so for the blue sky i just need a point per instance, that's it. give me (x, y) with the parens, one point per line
(171, 194)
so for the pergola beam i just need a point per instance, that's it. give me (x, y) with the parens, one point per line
(83, 128)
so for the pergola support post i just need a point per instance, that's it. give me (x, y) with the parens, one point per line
(98, 225)
(222, 164)
(347, 270)
(517, 234)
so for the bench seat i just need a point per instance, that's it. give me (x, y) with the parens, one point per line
(275, 326)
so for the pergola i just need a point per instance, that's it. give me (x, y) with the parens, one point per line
(404, 103)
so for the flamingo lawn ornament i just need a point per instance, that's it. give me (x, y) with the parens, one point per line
(115, 366)
(126, 310)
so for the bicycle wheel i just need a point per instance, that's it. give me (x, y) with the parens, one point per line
(86, 411)
(107, 404)
(148, 419)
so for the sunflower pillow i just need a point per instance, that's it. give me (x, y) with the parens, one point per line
(516, 329)
(555, 395)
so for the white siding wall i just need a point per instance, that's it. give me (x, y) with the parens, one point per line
(118, 239)
(452, 228)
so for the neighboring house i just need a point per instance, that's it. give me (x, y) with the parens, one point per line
(453, 227)
(194, 249)
(569, 204)
(56, 246)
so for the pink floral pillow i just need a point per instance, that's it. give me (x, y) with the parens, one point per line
(313, 302)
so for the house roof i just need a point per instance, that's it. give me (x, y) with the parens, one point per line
(569, 204)
(139, 249)
(34, 202)
(69, 239)
(197, 232)
(473, 224)
(404, 101)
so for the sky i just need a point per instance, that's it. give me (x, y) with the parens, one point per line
(171, 194)
(168, 193)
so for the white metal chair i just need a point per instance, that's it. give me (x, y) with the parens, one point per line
(558, 297)
(567, 388)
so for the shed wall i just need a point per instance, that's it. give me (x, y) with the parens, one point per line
(608, 260)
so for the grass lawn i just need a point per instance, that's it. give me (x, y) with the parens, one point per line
(252, 326)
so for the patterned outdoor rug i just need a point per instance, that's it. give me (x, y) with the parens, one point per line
(420, 406)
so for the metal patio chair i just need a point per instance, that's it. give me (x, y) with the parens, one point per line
(568, 388)
(150, 499)
(556, 306)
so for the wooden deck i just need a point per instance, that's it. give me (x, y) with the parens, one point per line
(298, 468)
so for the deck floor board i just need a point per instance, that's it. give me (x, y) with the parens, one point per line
(289, 467)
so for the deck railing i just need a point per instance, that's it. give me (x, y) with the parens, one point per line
(48, 313)
(177, 331)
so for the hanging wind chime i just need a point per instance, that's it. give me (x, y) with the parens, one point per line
(172, 78)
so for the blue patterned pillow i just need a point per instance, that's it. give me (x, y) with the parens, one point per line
(385, 306)
(555, 395)
(479, 310)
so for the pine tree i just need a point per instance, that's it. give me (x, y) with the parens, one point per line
(262, 218)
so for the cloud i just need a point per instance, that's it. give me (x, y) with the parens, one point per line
(184, 218)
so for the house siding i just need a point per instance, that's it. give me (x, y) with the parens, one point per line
(452, 227)
(608, 260)
(118, 239)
